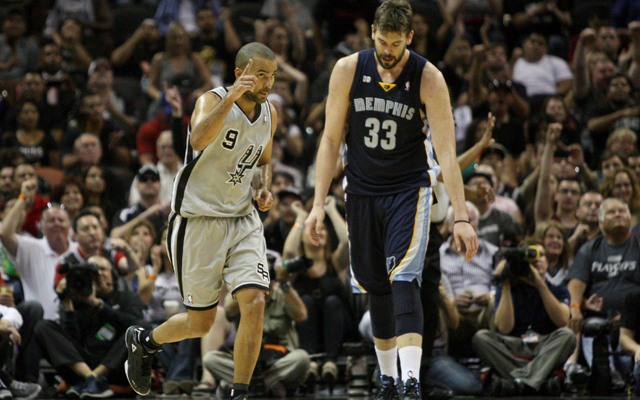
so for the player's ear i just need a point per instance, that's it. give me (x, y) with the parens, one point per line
(373, 32)
(409, 37)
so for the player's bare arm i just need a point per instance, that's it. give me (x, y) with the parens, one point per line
(262, 182)
(335, 121)
(435, 95)
(210, 111)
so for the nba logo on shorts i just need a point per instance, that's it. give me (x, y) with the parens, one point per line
(190, 299)
(407, 86)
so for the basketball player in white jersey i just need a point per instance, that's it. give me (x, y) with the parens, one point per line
(215, 234)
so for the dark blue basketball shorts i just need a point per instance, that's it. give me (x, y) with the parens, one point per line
(388, 238)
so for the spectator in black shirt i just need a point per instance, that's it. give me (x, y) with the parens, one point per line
(619, 111)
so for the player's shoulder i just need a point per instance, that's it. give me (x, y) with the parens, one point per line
(209, 98)
(431, 72)
(347, 65)
(432, 78)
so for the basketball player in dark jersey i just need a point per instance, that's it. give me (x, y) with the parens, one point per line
(385, 95)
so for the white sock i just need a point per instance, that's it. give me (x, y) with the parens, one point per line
(410, 357)
(388, 360)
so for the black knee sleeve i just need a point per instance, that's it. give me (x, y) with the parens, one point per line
(407, 307)
(382, 322)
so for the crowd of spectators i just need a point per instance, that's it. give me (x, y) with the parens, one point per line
(95, 102)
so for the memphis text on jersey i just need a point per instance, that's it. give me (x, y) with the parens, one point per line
(384, 106)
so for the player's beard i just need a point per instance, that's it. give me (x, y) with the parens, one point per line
(395, 61)
(251, 96)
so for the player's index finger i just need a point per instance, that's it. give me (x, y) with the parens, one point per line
(248, 67)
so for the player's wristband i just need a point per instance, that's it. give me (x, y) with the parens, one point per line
(574, 305)
(298, 225)
(22, 196)
(152, 276)
(462, 220)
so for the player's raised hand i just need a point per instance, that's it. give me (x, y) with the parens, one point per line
(312, 224)
(243, 83)
(264, 198)
(466, 239)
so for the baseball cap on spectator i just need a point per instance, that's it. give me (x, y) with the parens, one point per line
(99, 63)
(481, 174)
(495, 148)
(148, 169)
(290, 191)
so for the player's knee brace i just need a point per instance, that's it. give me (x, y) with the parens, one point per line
(408, 307)
(382, 323)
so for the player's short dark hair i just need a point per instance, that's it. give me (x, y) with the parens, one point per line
(253, 50)
(394, 16)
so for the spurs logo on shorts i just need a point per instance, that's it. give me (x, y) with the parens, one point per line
(265, 273)
(247, 161)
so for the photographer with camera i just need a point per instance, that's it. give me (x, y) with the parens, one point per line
(531, 315)
(318, 274)
(87, 346)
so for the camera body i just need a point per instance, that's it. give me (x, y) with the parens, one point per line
(517, 266)
(298, 264)
(80, 278)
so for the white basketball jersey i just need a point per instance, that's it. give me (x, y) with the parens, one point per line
(216, 181)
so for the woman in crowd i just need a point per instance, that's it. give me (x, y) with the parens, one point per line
(179, 66)
(98, 193)
(319, 276)
(70, 192)
(141, 238)
(557, 249)
(37, 146)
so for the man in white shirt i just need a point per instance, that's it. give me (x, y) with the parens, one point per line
(540, 73)
(35, 260)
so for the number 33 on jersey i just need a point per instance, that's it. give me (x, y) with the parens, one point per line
(388, 148)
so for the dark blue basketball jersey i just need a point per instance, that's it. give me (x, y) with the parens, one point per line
(388, 145)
